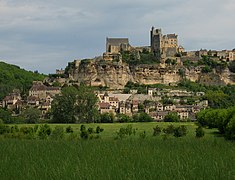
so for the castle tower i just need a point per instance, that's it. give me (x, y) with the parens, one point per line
(156, 39)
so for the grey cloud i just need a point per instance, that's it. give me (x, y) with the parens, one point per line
(39, 32)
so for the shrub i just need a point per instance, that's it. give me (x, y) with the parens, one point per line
(27, 130)
(83, 132)
(126, 131)
(99, 130)
(107, 118)
(122, 118)
(230, 129)
(69, 129)
(35, 128)
(169, 129)
(57, 133)
(180, 131)
(4, 129)
(143, 135)
(90, 130)
(14, 129)
(172, 117)
(44, 131)
(200, 132)
(156, 131)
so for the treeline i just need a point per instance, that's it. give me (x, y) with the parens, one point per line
(13, 77)
(217, 96)
(223, 119)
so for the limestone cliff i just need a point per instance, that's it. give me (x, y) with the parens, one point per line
(115, 75)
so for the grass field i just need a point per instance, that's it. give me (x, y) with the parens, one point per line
(132, 158)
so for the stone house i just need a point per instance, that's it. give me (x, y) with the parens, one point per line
(33, 101)
(12, 101)
(105, 107)
(41, 91)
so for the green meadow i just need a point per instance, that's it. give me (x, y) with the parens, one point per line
(158, 157)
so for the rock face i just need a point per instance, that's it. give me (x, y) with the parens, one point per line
(115, 75)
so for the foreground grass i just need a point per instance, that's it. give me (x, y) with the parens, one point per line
(131, 158)
(152, 158)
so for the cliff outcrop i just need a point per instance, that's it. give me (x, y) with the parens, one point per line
(115, 75)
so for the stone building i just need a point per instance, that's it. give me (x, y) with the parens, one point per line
(116, 45)
(41, 91)
(163, 45)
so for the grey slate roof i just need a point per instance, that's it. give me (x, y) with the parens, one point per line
(117, 41)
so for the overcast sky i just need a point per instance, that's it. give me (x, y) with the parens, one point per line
(45, 35)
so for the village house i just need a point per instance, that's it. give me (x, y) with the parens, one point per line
(12, 101)
(105, 107)
(41, 91)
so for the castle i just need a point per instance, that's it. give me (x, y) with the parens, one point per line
(163, 46)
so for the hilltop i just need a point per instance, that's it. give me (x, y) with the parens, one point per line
(13, 77)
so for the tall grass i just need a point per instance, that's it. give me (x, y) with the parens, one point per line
(134, 158)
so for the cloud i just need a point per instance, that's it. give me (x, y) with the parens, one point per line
(44, 35)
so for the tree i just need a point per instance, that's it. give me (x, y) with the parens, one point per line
(63, 106)
(75, 105)
(172, 117)
(107, 118)
(123, 118)
(230, 129)
(142, 117)
(31, 115)
(86, 108)
(5, 115)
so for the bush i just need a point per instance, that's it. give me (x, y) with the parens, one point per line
(83, 132)
(14, 129)
(169, 129)
(4, 129)
(180, 131)
(107, 118)
(230, 129)
(90, 130)
(172, 117)
(126, 131)
(156, 131)
(27, 130)
(57, 133)
(142, 117)
(122, 118)
(69, 129)
(143, 135)
(44, 131)
(200, 132)
(99, 130)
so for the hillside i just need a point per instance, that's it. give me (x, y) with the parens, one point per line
(13, 77)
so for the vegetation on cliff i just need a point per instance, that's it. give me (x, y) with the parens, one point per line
(13, 77)
(136, 58)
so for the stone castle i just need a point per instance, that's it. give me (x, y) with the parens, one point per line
(111, 70)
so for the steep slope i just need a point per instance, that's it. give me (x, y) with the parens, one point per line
(13, 77)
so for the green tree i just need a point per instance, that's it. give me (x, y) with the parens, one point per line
(31, 115)
(172, 117)
(86, 108)
(107, 118)
(123, 118)
(5, 115)
(142, 117)
(75, 105)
